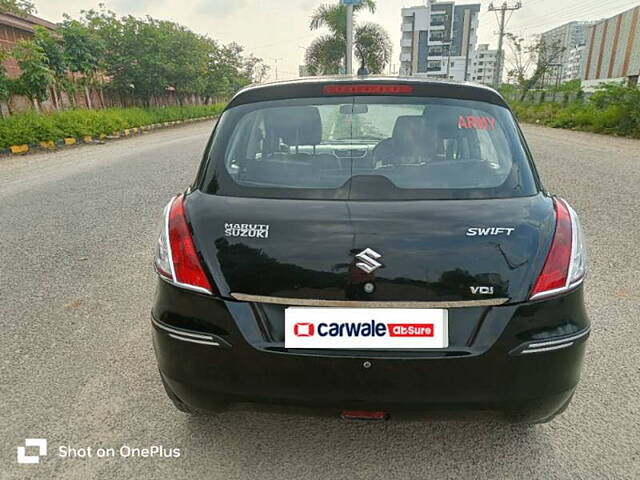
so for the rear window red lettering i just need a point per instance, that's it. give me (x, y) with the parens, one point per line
(476, 122)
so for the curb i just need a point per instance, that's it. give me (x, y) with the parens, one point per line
(53, 145)
(19, 149)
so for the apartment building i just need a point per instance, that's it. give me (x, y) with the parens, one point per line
(567, 40)
(575, 62)
(484, 64)
(438, 40)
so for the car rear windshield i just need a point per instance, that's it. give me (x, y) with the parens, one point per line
(368, 148)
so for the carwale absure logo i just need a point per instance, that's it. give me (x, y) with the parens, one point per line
(304, 329)
(365, 328)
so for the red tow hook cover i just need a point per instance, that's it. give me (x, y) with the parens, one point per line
(364, 415)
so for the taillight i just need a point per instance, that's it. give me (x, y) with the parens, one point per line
(176, 256)
(564, 267)
(365, 89)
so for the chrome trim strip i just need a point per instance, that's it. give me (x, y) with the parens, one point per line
(180, 332)
(166, 233)
(182, 285)
(556, 291)
(563, 340)
(191, 340)
(576, 283)
(548, 349)
(310, 302)
(574, 243)
(186, 286)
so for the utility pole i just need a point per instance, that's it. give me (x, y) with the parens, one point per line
(503, 9)
(349, 61)
(276, 60)
(349, 39)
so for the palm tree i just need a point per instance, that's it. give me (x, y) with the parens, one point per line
(373, 47)
(326, 54)
(334, 17)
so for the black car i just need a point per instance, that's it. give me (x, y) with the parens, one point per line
(370, 248)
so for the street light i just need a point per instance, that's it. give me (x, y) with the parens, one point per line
(350, 4)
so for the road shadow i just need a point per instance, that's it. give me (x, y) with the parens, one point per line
(267, 445)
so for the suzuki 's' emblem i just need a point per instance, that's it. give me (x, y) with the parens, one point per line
(368, 261)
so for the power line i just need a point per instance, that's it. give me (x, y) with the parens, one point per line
(530, 2)
(289, 40)
(573, 12)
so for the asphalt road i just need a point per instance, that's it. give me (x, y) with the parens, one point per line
(77, 366)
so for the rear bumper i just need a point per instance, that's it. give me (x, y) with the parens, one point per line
(494, 376)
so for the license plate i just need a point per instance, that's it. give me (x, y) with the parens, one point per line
(365, 328)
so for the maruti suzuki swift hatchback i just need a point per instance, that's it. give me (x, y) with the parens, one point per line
(370, 248)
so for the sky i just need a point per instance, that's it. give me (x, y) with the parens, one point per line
(278, 30)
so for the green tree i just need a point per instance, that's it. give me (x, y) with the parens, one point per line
(5, 83)
(529, 63)
(372, 47)
(135, 56)
(140, 55)
(184, 57)
(216, 82)
(334, 17)
(52, 47)
(254, 69)
(326, 54)
(18, 7)
(228, 70)
(5, 91)
(36, 78)
(237, 71)
(146, 58)
(82, 53)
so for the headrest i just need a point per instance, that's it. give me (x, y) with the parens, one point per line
(296, 125)
(411, 137)
(409, 128)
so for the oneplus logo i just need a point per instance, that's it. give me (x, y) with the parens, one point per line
(304, 329)
(41, 443)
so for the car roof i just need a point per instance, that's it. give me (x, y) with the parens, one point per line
(306, 87)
